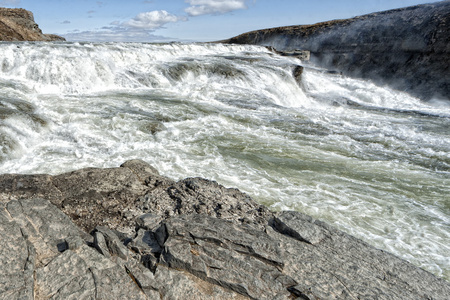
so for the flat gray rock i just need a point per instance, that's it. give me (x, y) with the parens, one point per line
(242, 259)
(299, 226)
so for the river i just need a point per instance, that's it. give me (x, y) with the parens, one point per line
(370, 160)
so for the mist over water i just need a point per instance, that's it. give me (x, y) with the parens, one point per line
(370, 160)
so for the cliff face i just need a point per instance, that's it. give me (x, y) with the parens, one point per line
(18, 24)
(407, 48)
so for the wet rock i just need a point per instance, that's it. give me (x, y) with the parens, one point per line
(303, 55)
(13, 186)
(114, 197)
(297, 73)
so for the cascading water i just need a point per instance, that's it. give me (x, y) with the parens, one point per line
(370, 160)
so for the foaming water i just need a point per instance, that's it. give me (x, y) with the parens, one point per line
(370, 160)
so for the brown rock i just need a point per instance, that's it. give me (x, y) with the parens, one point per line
(17, 24)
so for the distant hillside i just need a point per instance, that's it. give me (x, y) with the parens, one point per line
(407, 48)
(18, 24)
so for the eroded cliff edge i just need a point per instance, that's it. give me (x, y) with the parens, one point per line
(17, 24)
(408, 48)
(130, 233)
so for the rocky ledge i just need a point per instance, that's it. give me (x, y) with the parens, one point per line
(18, 24)
(407, 48)
(130, 233)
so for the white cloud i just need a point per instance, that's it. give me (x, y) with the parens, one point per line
(207, 7)
(138, 29)
(153, 20)
(115, 34)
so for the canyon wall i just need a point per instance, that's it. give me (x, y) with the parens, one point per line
(407, 48)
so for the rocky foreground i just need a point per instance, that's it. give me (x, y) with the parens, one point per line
(130, 233)
(18, 24)
(407, 48)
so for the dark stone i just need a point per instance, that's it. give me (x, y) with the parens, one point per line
(148, 221)
(62, 246)
(297, 73)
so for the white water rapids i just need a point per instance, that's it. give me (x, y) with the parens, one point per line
(370, 160)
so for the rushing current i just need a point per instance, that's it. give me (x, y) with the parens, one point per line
(370, 160)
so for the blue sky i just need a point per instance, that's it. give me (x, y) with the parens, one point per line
(186, 20)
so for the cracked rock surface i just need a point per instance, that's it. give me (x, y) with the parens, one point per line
(130, 233)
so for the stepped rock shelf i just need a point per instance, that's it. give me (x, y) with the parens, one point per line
(130, 233)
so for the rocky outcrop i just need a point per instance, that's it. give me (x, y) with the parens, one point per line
(18, 24)
(406, 48)
(154, 238)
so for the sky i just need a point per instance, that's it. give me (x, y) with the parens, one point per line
(186, 20)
